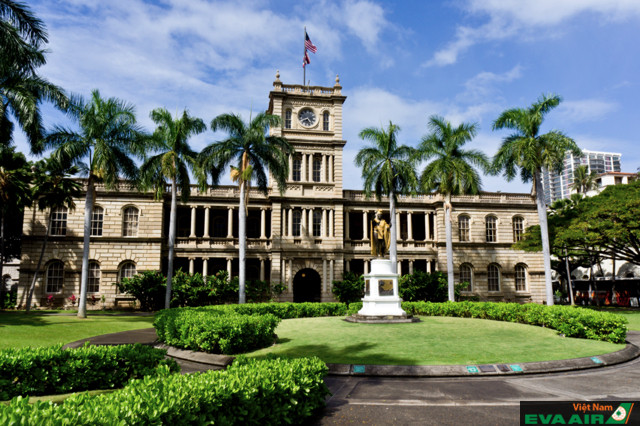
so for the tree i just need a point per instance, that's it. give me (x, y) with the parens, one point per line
(451, 172)
(583, 181)
(15, 177)
(21, 88)
(528, 151)
(108, 135)
(387, 169)
(254, 152)
(173, 162)
(53, 187)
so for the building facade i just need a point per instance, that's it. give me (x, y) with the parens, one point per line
(305, 238)
(559, 185)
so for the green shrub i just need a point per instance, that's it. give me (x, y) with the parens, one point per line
(285, 310)
(215, 331)
(149, 287)
(190, 290)
(429, 287)
(52, 370)
(272, 391)
(350, 289)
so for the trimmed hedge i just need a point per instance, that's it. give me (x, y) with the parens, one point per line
(286, 310)
(215, 331)
(52, 370)
(272, 391)
(571, 321)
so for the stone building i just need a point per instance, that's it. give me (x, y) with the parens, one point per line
(305, 238)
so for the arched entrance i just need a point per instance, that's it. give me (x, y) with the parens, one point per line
(306, 286)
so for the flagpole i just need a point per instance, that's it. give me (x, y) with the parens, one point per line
(304, 66)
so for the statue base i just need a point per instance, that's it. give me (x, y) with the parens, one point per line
(381, 300)
(382, 319)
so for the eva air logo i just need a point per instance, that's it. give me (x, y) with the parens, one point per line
(621, 415)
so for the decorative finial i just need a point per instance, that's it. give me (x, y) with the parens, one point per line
(278, 75)
(337, 79)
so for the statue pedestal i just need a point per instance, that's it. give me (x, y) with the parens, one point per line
(381, 303)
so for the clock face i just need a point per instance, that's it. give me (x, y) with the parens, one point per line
(307, 117)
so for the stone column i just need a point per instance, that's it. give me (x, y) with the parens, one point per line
(345, 219)
(331, 220)
(290, 275)
(323, 225)
(303, 223)
(303, 168)
(411, 266)
(290, 224)
(290, 168)
(323, 169)
(310, 167)
(261, 269)
(429, 266)
(365, 227)
(205, 266)
(263, 223)
(366, 267)
(310, 222)
(426, 226)
(331, 276)
(229, 260)
(191, 262)
(435, 227)
(193, 223)
(331, 178)
(347, 265)
(398, 236)
(324, 275)
(399, 267)
(409, 227)
(207, 214)
(230, 222)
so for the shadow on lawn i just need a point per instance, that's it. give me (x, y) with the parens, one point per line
(366, 353)
(20, 318)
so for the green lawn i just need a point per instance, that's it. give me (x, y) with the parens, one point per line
(18, 329)
(633, 315)
(434, 341)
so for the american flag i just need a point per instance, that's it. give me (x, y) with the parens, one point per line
(308, 45)
(305, 60)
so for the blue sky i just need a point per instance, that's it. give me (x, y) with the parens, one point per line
(466, 60)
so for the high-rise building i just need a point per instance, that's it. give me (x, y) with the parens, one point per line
(559, 185)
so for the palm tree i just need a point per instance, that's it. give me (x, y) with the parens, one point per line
(254, 152)
(583, 181)
(451, 172)
(528, 151)
(21, 89)
(387, 169)
(173, 163)
(107, 137)
(53, 188)
(15, 178)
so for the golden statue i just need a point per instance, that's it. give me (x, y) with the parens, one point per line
(380, 235)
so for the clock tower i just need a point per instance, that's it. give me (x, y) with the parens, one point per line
(307, 219)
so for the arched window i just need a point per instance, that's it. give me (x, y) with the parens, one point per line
(521, 277)
(518, 228)
(491, 229)
(297, 166)
(297, 219)
(93, 286)
(127, 270)
(130, 222)
(287, 119)
(325, 121)
(493, 278)
(55, 277)
(96, 221)
(466, 276)
(463, 228)
(58, 224)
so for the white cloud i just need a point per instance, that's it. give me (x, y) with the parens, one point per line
(523, 18)
(483, 84)
(365, 20)
(585, 109)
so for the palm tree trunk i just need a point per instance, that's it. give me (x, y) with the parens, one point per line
(172, 241)
(566, 265)
(84, 278)
(447, 223)
(544, 234)
(1, 248)
(393, 245)
(35, 274)
(242, 242)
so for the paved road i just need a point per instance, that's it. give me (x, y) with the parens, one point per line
(467, 401)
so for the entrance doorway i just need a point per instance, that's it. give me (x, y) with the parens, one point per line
(306, 286)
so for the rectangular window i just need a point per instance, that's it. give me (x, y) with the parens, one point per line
(317, 165)
(130, 222)
(317, 223)
(463, 228)
(518, 228)
(521, 278)
(287, 119)
(55, 277)
(58, 222)
(465, 277)
(325, 121)
(297, 219)
(297, 165)
(96, 222)
(93, 286)
(493, 278)
(491, 229)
